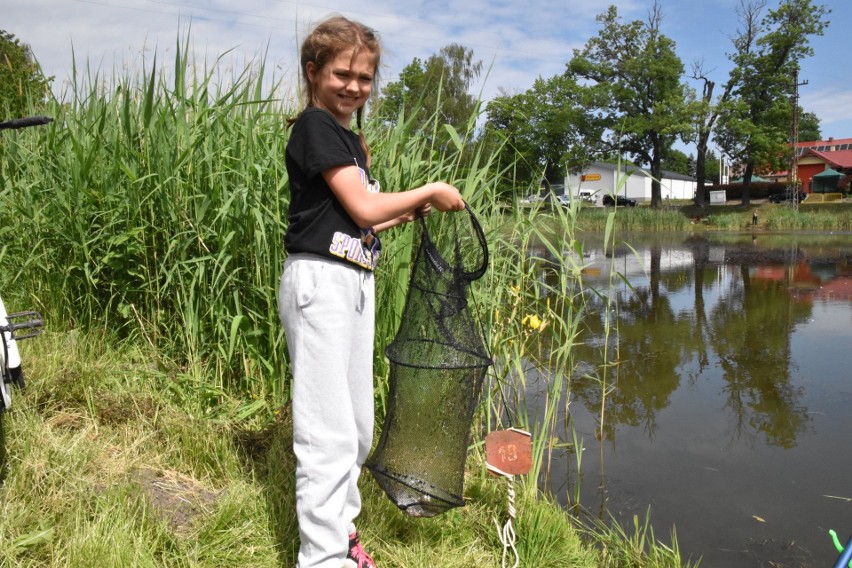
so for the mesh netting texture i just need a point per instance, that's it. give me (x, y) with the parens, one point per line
(438, 361)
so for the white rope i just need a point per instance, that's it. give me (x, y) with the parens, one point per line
(507, 531)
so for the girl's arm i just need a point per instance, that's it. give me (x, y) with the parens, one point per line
(387, 209)
(421, 211)
(379, 227)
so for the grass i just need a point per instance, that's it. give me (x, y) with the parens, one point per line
(633, 219)
(109, 467)
(683, 216)
(773, 217)
(111, 464)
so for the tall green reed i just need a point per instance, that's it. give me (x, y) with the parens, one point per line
(154, 205)
(540, 321)
(535, 311)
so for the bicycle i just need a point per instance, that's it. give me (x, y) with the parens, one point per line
(14, 327)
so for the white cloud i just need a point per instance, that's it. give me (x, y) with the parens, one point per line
(522, 40)
(833, 106)
(830, 105)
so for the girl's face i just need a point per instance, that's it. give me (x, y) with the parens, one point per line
(343, 85)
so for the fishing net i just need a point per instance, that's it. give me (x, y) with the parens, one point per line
(438, 361)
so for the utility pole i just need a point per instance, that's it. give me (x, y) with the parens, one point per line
(794, 140)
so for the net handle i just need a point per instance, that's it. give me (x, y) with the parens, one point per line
(25, 122)
(480, 236)
(483, 242)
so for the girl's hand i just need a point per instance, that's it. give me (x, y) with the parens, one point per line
(446, 198)
(423, 210)
(405, 218)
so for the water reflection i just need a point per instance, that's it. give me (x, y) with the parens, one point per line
(732, 389)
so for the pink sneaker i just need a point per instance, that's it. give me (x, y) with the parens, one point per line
(357, 556)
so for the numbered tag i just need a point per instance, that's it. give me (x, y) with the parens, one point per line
(508, 452)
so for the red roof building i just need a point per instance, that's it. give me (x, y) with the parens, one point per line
(817, 156)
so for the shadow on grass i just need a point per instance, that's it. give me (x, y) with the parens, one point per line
(268, 454)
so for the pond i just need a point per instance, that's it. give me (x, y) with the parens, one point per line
(731, 416)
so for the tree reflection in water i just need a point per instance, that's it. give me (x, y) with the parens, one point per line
(709, 322)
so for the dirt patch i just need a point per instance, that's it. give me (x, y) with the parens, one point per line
(177, 499)
(113, 410)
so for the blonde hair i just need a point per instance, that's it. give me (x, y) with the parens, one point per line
(328, 39)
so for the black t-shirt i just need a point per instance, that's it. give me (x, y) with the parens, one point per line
(318, 223)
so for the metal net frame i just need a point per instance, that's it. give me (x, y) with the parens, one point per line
(438, 361)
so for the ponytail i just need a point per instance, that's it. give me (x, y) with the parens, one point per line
(358, 120)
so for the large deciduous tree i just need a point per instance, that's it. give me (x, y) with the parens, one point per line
(710, 109)
(633, 79)
(22, 83)
(754, 124)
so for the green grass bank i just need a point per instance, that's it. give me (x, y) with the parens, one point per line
(112, 461)
(684, 216)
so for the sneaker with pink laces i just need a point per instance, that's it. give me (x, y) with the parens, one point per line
(357, 556)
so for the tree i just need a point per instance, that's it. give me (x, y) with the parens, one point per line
(438, 85)
(710, 110)
(678, 162)
(632, 76)
(706, 117)
(542, 127)
(22, 83)
(754, 124)
(809, 129)
(399, 97)
(712, 167)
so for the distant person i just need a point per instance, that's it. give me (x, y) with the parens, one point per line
(754, 218)
(326, 298)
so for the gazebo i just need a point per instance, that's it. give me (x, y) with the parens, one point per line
(826, 181)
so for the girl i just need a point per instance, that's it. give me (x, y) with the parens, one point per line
(326, 294)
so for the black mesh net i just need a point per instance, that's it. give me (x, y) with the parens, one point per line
(438, 360)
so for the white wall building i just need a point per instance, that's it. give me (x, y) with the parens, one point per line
(602, 178)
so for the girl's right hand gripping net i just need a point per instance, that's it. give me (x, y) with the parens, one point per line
(438, 361)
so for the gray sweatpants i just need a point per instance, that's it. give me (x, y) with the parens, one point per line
(328, 312)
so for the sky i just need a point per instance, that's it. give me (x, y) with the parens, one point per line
(516, 40)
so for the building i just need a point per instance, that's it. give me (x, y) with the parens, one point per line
(816, 157)
(602, 178)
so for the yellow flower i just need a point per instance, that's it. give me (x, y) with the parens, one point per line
(533, 321)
